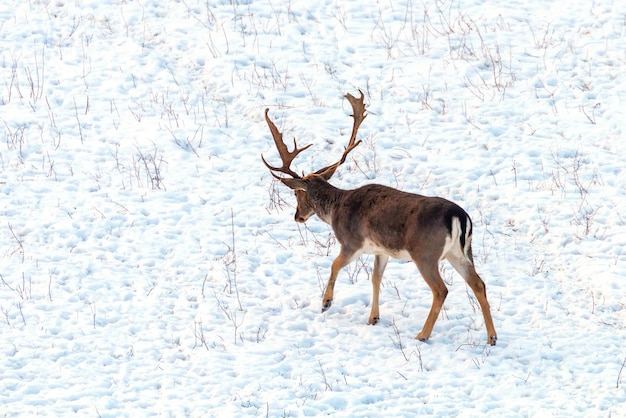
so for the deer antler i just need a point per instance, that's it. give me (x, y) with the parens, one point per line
(358, 113)
(285, 155)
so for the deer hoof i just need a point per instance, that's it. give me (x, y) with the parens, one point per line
(373, 321)
(421, 337)
(327, 304)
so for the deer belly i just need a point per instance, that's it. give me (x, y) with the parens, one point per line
(370, 247)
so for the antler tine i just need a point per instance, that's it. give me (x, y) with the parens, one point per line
(285, 155)
(358, 113)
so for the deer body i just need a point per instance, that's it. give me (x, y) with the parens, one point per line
(392, 228)
(386, 222)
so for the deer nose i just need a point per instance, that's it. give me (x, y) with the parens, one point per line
(298, 216)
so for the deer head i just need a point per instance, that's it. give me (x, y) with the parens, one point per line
(301, 184)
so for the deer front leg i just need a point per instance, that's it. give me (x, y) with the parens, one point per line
(380, 262)
(340, 262)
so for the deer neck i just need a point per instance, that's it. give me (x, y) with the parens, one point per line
(324, 197)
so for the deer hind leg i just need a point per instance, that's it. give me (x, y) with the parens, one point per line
(430, 272)
(343, 259)
(380, 262)
(465, 268)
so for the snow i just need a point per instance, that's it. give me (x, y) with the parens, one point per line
(150, 264)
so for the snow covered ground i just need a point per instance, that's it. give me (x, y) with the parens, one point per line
(150, 265)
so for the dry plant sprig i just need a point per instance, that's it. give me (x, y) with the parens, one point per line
(20, 245)
(619, 375)
(148, 166)
(230, 264)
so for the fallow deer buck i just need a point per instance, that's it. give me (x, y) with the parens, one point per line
(385, 222)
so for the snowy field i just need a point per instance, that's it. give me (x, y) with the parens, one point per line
(150, 265)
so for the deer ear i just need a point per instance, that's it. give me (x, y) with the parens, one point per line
(294, 184)
(327, 173)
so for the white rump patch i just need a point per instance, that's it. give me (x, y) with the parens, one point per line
(453, 241)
